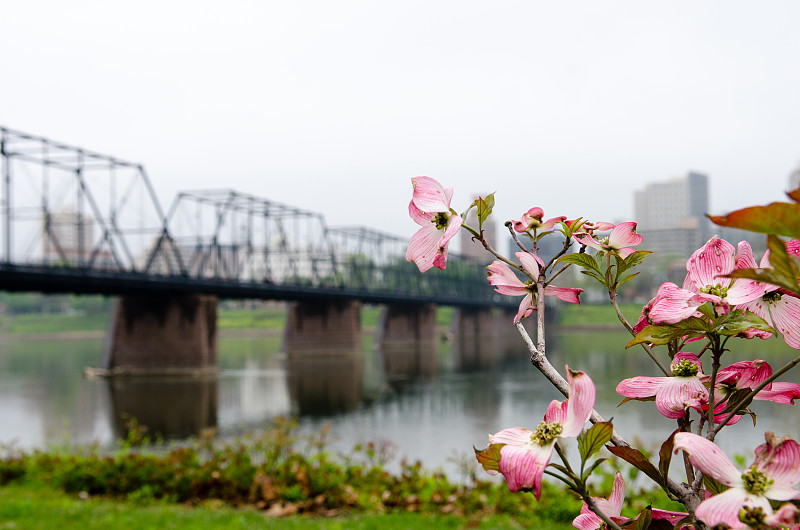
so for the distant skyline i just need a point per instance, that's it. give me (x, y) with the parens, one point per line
(333, 107)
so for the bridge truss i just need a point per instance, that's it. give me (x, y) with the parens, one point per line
(78, 221)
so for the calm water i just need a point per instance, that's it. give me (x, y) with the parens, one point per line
(44, 397)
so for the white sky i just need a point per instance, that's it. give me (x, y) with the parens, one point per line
(333, 106)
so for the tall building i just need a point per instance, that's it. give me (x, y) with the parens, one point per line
(671, 214)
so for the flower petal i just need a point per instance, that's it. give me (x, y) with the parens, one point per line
(679, 393)
(430, 196)
(781, 392)
(567, 294)
(786, 318)
(709, 458)
(781, 463)
(523, 467)
(424, 247)
(624, 235)
(530, 262)
(640, 387)
(580, 403)
(724, 507)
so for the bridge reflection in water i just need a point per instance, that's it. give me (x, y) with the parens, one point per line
(306, 384)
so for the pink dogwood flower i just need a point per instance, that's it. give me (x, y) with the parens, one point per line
(780, 308)
(674, 394)
(506, 282)
(704, 283)
(430, 208)
(612, 507)
(524, 454)
(773, 475)
(622, 237)
(750, 374)
(532, 220)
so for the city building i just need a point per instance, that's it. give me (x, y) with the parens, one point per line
(671, 214)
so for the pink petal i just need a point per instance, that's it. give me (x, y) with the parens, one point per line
(420, 217)
(744, 290)
(580, 403)
(640, 387)
(672, 517)
(707, 263)
(709, 458)
(786, 319)
(530, 262)
(624, 235)
(782, 465)
(513, 436)
(430, 196)
(525, 308)
(523, 467)
(680, 393)
(423, 248)
(780, 392)
(567, 294)
(504, 280)
(589, 241)
(550, 223)
(744, 256)
(556, 412)
(724, 507)
(587, 521)
(617, 494)
(747, 374)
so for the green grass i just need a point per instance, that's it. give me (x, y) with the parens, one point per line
(597, 315)
(38, 506)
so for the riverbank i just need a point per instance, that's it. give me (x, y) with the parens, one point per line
(274, 478)
(271, 320)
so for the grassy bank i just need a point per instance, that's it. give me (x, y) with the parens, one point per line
(273, 479)
(228, 319)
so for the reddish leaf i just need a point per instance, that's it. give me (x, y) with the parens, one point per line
(635, 458)
(489, 458)
(781, 218)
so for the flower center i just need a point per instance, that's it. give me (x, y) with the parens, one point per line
(545, 433)
(755, 482)
(753, 517)
(684, 368)
(772, 297)
(440, 220)
(716, 290)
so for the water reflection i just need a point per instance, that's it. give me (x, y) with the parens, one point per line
(169, 407)
(429, 413)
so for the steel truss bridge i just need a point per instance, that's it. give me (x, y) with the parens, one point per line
(82, 222)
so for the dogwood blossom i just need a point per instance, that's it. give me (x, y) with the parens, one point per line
(674, 394)
(705, 282)
(622, 237)
(532, 220)
(773, 475)
(612, 507)
(524, 454)
(780, 308)
(506, 282)
(430, 208)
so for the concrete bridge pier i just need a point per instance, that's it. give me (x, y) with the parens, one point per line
(474, 332)
(162, 334)
(406, 338)
(322, 343)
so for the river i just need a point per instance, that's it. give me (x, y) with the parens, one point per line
(45, 398)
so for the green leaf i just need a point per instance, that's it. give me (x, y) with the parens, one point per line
(657, 335)
(595, 275)
(739, 322)
(581, 259)
(636, 258)
(485, 206)
(780, 218)
(644, 518)
(489, 458)
(591, 468)
(591, 441)
(712, 485)
(626, 278)
(665, 454)
(635, 458)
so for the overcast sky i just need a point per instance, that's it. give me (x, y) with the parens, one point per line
(334, 105)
